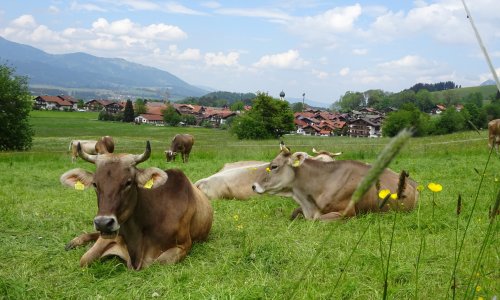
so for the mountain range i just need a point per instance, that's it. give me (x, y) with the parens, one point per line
(86, 76)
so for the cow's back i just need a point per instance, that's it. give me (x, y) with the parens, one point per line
(182, 143)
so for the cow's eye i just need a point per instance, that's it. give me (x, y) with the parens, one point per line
(128, 183)
(273, 167)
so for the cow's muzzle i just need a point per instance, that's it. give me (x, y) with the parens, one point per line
(107, 225)
(257, 188)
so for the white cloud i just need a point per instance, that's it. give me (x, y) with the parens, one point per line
(339, 19)
(86, 7)
(221, 59)
(254, 13)
(286, 60)
(53, 9)
(360, 51)
(320, 74)
(409, 61)
(344, 71)
(24, 21)
(211, 4)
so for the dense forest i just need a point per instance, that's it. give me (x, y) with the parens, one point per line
(434, 87)
(220, 99)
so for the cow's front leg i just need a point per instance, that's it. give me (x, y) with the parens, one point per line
(100, 246)
(81, 240)
(173, 255)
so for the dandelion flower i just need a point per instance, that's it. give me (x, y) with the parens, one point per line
(236, 217)
(435, 187)
(478, 288)
(394, 196)
(420, 188)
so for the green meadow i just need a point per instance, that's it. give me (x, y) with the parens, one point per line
(254, 250)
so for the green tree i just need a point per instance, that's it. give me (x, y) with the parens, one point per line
(268, 118)
(423, 100)
(140, 107)
(80, 103)
(238, 106)
(128, 113)
(408, 116)
(188, 119)
(450, 121)
(15, 107)
(474, 98)
(403, 97)
(297, 107)
(351, 101)
(171, 116)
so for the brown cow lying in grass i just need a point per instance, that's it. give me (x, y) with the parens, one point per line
(324, 189)
(144, 215)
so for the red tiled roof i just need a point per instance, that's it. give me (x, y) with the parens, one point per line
(151, 117)
(55, 99)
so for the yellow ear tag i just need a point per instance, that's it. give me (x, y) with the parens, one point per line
(296, 163)
(79, 186)
(149, 184)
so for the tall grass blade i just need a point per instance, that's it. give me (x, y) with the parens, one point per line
(484, 244)
(469, 219)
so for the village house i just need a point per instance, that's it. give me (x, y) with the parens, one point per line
(55, 102)
(109, 106)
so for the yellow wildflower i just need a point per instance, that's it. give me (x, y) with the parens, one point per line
(394, 196)
(236, 217)
(478, 288)
(420, 188)
(435, 187)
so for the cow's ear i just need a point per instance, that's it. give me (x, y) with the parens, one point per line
(151, 178)
(298, 158)
(77, 178)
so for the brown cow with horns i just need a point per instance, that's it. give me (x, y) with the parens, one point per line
(324, 189)
(144, 215)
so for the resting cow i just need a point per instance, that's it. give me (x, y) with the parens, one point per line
(494, 134)
(103, 145)
(181, 143)
(234, 180)
(144, 215)
(324, 189)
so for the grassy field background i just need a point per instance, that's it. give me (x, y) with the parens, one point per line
(254, 251)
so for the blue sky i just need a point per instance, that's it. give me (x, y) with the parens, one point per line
(322, 48)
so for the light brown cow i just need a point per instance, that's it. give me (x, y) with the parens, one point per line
(494, 134)
(181, 143)
(234, 180)
(104, 145)
(324, 189)
(144, 215)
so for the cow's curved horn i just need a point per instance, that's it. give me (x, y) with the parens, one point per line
(88, 157)
(315, 151)
(144, 156)
(284, 148)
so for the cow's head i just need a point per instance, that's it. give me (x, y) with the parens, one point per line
(170, 155)
(281, 173)
(116, 181)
